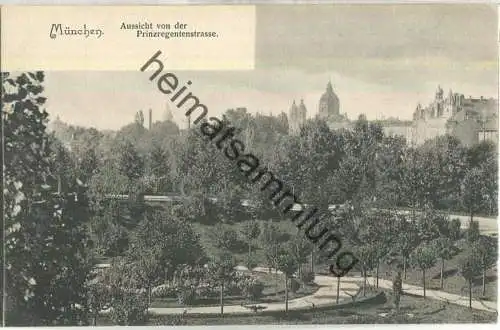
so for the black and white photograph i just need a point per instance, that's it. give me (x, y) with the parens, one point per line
(349, 176)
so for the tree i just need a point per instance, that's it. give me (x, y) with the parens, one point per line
(226, 238)
(221, 270)
(424, 257)
(406, 241)
(300, 247)
(46, 246)
(171, 240)
(469, 267)
(473, 191)
(131, 163)
(472, 232)
(99, 298)
(485, 249)
(397, 287)
(250, 231)
(444, 248)
(288, 265)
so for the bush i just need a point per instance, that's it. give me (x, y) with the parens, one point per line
(307, 277)
(253, 289)
(473, 232)
(186, 295)
(227, 239)
(129, 308)
(294, 285)
(163, 291)
(250, 261)
(170, 320)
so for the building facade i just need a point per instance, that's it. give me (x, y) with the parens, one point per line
(470, 119)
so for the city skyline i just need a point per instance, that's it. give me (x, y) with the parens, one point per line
(381, 60)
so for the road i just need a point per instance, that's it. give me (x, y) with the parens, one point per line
(487, 226)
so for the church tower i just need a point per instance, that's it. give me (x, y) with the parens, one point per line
(297, 117)
(329, 105)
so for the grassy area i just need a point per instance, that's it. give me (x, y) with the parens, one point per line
(274, 291)
(453, 281)
(413, 310)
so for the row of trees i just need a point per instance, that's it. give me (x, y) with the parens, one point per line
(321, 165)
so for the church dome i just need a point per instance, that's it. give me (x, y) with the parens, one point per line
(329, 103)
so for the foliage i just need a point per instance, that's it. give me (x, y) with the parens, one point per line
(307, 277)
(253, 288)
(45, 237)
(472, 232)
(129, 308)
(226, 238)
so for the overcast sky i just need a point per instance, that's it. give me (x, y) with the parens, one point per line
(381, 60)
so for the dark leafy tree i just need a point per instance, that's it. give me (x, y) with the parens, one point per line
(46, 245)
(486, 250)
(424, 257)
(221, 270)
(469, 267)
(286, 263)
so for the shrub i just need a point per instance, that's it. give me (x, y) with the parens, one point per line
(307, 277)
(253, 288)
(250, 261)
(473, 232)
(186, 295)
(294, 285)
(129, 308)
(163, 291)
(170, 320)
(227, 239)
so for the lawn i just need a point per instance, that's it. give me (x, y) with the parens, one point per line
(413, 310)
(453, 281)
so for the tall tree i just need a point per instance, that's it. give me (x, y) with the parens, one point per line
(473, 191)
(288, 265)
(485, 249)
(424, 257)
(469, 267)
(221, 269)
(46, 246)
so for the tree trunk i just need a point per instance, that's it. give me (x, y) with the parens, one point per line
(470, 293)
(484, 282)
(222, 299)
(364, 283)
(423, 280)
(376, 275)
(149, 295)
(442, 274)
(404, 268)
(286, 294)
(338, 289)
(94, 321)
(312, 261)
(276, 277)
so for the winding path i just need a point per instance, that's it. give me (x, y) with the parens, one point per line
(326, 296)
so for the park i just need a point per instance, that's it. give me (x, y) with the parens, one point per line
(153, 226)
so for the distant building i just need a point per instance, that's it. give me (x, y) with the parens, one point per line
(297, 116)
(471, 120)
